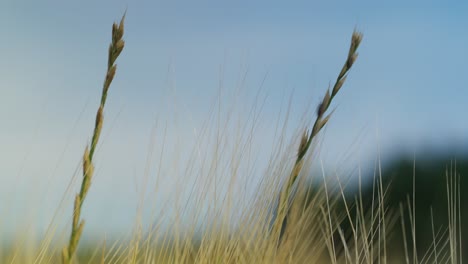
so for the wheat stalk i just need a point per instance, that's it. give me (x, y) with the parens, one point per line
(306, 140)
(115, 49)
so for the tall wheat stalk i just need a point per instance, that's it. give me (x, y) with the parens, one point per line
(115, 49)
(306, 140)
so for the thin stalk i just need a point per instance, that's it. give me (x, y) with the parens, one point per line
(320, 121)
(115, 49)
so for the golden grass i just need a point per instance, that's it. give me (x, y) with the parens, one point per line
(284, 222)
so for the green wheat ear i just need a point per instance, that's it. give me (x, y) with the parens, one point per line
(115, 49)
(307, 138)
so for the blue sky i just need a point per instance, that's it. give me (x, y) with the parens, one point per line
(406, 91)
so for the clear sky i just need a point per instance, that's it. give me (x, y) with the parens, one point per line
(407, 90)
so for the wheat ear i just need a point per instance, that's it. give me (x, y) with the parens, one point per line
(115, 49)
(306, 140)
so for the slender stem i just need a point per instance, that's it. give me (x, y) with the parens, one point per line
(115, 49)
(320, 121)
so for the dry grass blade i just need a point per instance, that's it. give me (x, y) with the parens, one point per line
(306, 140)
(115, 49)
